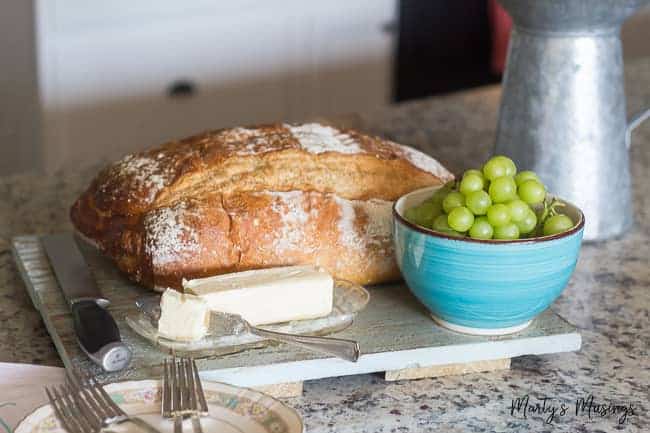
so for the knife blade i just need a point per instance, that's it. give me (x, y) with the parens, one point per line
(96, 330)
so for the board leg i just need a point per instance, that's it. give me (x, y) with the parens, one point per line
(281, 390)
(447, 369)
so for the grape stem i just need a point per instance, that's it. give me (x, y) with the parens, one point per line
(550, 208)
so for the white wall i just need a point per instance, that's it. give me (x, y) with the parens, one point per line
(104, 71)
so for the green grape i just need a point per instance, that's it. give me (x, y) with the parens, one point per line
(440, 224)
(474, 171)
(453, 200)
(481, 229)
(441, 193)
(503, 189)
(470, 183)
(411, 215)
(518, 210)
(528, 224)
(507, 232)
(460, 219)
(532, 192)
(525, 175)
(498, 215)
(509, 164)
(478, 202)
(432, 208)
(557, 224)
(424, 213)
(437, 209)
(494, 168)
(428, 211)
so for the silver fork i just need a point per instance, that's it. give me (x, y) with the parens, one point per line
(183, 393)
(86, 400)
(67, 411)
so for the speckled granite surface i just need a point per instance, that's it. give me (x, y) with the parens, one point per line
(608, 299)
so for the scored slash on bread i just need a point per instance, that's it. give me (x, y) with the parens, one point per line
(246, 198)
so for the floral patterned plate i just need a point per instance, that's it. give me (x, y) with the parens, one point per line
(231, 410)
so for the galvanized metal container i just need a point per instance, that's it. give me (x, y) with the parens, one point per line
(563, 108)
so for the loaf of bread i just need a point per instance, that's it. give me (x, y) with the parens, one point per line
(246, 198)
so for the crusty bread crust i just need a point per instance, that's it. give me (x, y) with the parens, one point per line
(246, 198)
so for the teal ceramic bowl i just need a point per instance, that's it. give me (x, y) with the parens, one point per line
(480, 287)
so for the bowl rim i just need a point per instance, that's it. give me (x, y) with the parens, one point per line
(396, 215)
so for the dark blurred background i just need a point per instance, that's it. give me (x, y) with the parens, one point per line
(443, 46)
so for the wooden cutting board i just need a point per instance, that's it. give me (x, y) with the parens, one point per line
(395, 333)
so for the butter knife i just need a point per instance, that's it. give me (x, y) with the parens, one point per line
(96, 330)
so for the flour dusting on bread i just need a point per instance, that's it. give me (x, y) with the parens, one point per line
(378, 227)
(144, 173)
(251, 141)
(423, 161)
(317, 138)
(375, 230)
(289, 206)
(169, 236)
(362, 224)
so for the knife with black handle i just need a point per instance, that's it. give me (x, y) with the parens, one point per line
(96, 330)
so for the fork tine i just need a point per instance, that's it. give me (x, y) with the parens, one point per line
(84, 383)
(94, 406)
(73, 377)
(98, 399)
(110, 408)
(175, 390)
(88, 409)
(183, 385)
(65, 410)
(199, 388)
(72, 419)
(78, 414)
(189, 378)
(117, 410)
(90, 385)
(166, 391)
(192, 405)
(63, 419)
(176, 398)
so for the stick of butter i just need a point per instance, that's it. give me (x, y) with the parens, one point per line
(268, 295)
(183, 317)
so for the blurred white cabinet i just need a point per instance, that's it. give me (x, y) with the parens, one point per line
(118, 76)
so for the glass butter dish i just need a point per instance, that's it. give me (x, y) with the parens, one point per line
(348, 300)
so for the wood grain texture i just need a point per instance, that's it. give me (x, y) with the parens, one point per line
(282, 390)
(394, 333)
(448, 369)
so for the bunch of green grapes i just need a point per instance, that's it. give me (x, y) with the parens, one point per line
(495, 202)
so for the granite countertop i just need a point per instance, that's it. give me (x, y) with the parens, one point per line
(608, 298)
